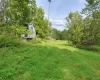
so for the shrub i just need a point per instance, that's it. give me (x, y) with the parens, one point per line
(90, 48)
(7, 41)
(17, 30)
(3, 29)
(36, 40)
(12, 30)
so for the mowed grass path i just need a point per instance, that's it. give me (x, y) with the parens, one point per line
(50, 60)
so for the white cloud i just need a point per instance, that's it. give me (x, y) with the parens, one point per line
(57, 22)
(53, 21)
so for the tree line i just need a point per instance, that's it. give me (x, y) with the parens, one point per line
(14, 13)
(58, 34)
(79, 30)
(82, 28)
(86, 30)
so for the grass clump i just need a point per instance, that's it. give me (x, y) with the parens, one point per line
(8, 41)
(35, 41)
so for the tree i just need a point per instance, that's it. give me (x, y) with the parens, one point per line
(3, 6)
(20, 12)
(85, 30)
(92, 21)
(15, 13)
(74, 25)
(64, 34)
(55, 34)
(59, 35)
(41, 24)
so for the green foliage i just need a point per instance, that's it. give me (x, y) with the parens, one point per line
(55, 33)
(41, 24)
(3, 28)
(92, 21)
(90, 48)
(85, 31)
(19, 12)
(16, 13)
(9, 41)
(59, 35)
(74, 25)
(3, 6)
(17, 30)
(35, 41)
(13, 30)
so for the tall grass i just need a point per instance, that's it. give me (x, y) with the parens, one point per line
(8, 41)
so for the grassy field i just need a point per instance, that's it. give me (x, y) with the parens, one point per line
(50, 60)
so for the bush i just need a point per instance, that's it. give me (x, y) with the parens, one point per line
(7, 41)
(90, 48)
(17, 30)
(36, 40)
(3, 29)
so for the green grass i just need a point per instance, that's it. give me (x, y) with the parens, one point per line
(50, 60)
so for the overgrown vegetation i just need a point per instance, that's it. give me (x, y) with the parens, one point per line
(53, 60)
(14, 13)
(59, 35)
(85, 31)
(8, 41)
(82, 28)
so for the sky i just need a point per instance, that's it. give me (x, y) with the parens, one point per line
(59, 9)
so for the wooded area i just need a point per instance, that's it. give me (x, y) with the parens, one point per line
(81, 28)
(14, 13)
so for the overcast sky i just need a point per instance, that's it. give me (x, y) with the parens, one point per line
(60, 9)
